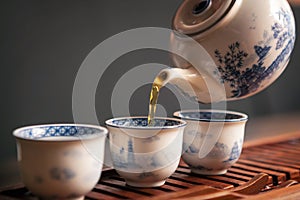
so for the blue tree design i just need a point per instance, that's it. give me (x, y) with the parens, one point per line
(230, 68)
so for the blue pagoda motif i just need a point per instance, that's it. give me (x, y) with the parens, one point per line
(130, 155)
(219, 151)
(119, 157)
(262, 51)
(119, 160)
(235, 153)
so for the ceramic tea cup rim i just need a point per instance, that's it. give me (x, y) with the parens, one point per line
(239, 115)
(102, 132)
(110, 123)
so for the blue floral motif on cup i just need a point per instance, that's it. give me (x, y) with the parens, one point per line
(47, 131)
(143, 122)
(205, 115)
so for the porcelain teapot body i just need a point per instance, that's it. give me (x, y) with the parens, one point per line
(247, 44)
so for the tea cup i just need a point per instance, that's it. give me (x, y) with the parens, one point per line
(213, 139)
(60, 161)
(144, 155)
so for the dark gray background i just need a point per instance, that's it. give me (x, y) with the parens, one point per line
(43, 43)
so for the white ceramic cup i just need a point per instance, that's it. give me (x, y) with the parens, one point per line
(145, 156)
(213, 139)
(60, 161)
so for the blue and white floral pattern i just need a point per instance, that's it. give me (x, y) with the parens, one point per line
(211, 116)
(231, 64)
(38, 132)
(143, 122)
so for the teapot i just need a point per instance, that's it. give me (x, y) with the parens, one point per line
(229, 49)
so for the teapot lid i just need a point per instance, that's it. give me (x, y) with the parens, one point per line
(196, 16)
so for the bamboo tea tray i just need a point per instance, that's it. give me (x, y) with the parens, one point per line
(278, 157)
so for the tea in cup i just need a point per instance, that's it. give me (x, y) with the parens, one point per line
(60, 161)
(144, 155)
(213, 139)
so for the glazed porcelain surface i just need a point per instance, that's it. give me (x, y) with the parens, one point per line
(245, 46)
(145, 156)
(224, 131)
(60, 161)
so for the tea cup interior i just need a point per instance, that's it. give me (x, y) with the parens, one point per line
(142, 123)
(211, 115)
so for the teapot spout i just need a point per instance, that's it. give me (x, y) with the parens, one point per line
(193, 85)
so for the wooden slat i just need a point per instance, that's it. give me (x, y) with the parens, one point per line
(290, 150)
(182, 184)
(170, 188)
(124, 193)
(99, 195)
(201, 192)
(271, 161)
(237, 176)
(197, 190)
(216, 178)
(219, 196)
(132, 190)
(202, 181)
(268, 154)
(247, 173)
(290, 193)
(290, 172)
(276, 176)
(288, 146)
(235, 182)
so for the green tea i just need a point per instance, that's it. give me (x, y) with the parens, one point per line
(158, 83)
